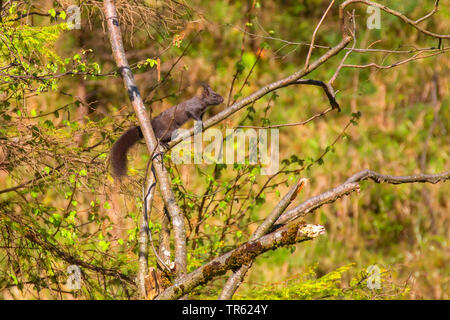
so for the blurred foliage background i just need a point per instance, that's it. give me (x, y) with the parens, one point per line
(56, 132)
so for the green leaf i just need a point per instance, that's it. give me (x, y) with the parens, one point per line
(104, 245)
(63, 15)
(52, 13)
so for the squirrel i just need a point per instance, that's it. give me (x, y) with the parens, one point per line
(163, 125)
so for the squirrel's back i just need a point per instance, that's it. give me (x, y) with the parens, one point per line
(163, 126)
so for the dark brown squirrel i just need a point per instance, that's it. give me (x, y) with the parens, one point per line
(163, 125)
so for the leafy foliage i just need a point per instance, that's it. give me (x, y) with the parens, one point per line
(308, 286)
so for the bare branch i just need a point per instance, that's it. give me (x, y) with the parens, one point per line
(313, 38)
(351, 185)
(327, 88)
(301, 123)
(358, 50)
(145, 234)
(416, 56)
(317, 201)
(347, 54)
(394, 13)
(380, 178)
(435, 9)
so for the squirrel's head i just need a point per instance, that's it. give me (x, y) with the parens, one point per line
(210, 97)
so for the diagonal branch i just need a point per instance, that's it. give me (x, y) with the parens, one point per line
(268, 88)
(313, 38)
(31, 181)
(234, 259)
(351, 185)
(149, 136)
(237, 277)
(317, 201)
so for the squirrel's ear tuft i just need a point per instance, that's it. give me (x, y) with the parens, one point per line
(206, 90)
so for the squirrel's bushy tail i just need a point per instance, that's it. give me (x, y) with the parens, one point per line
(120, 148)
